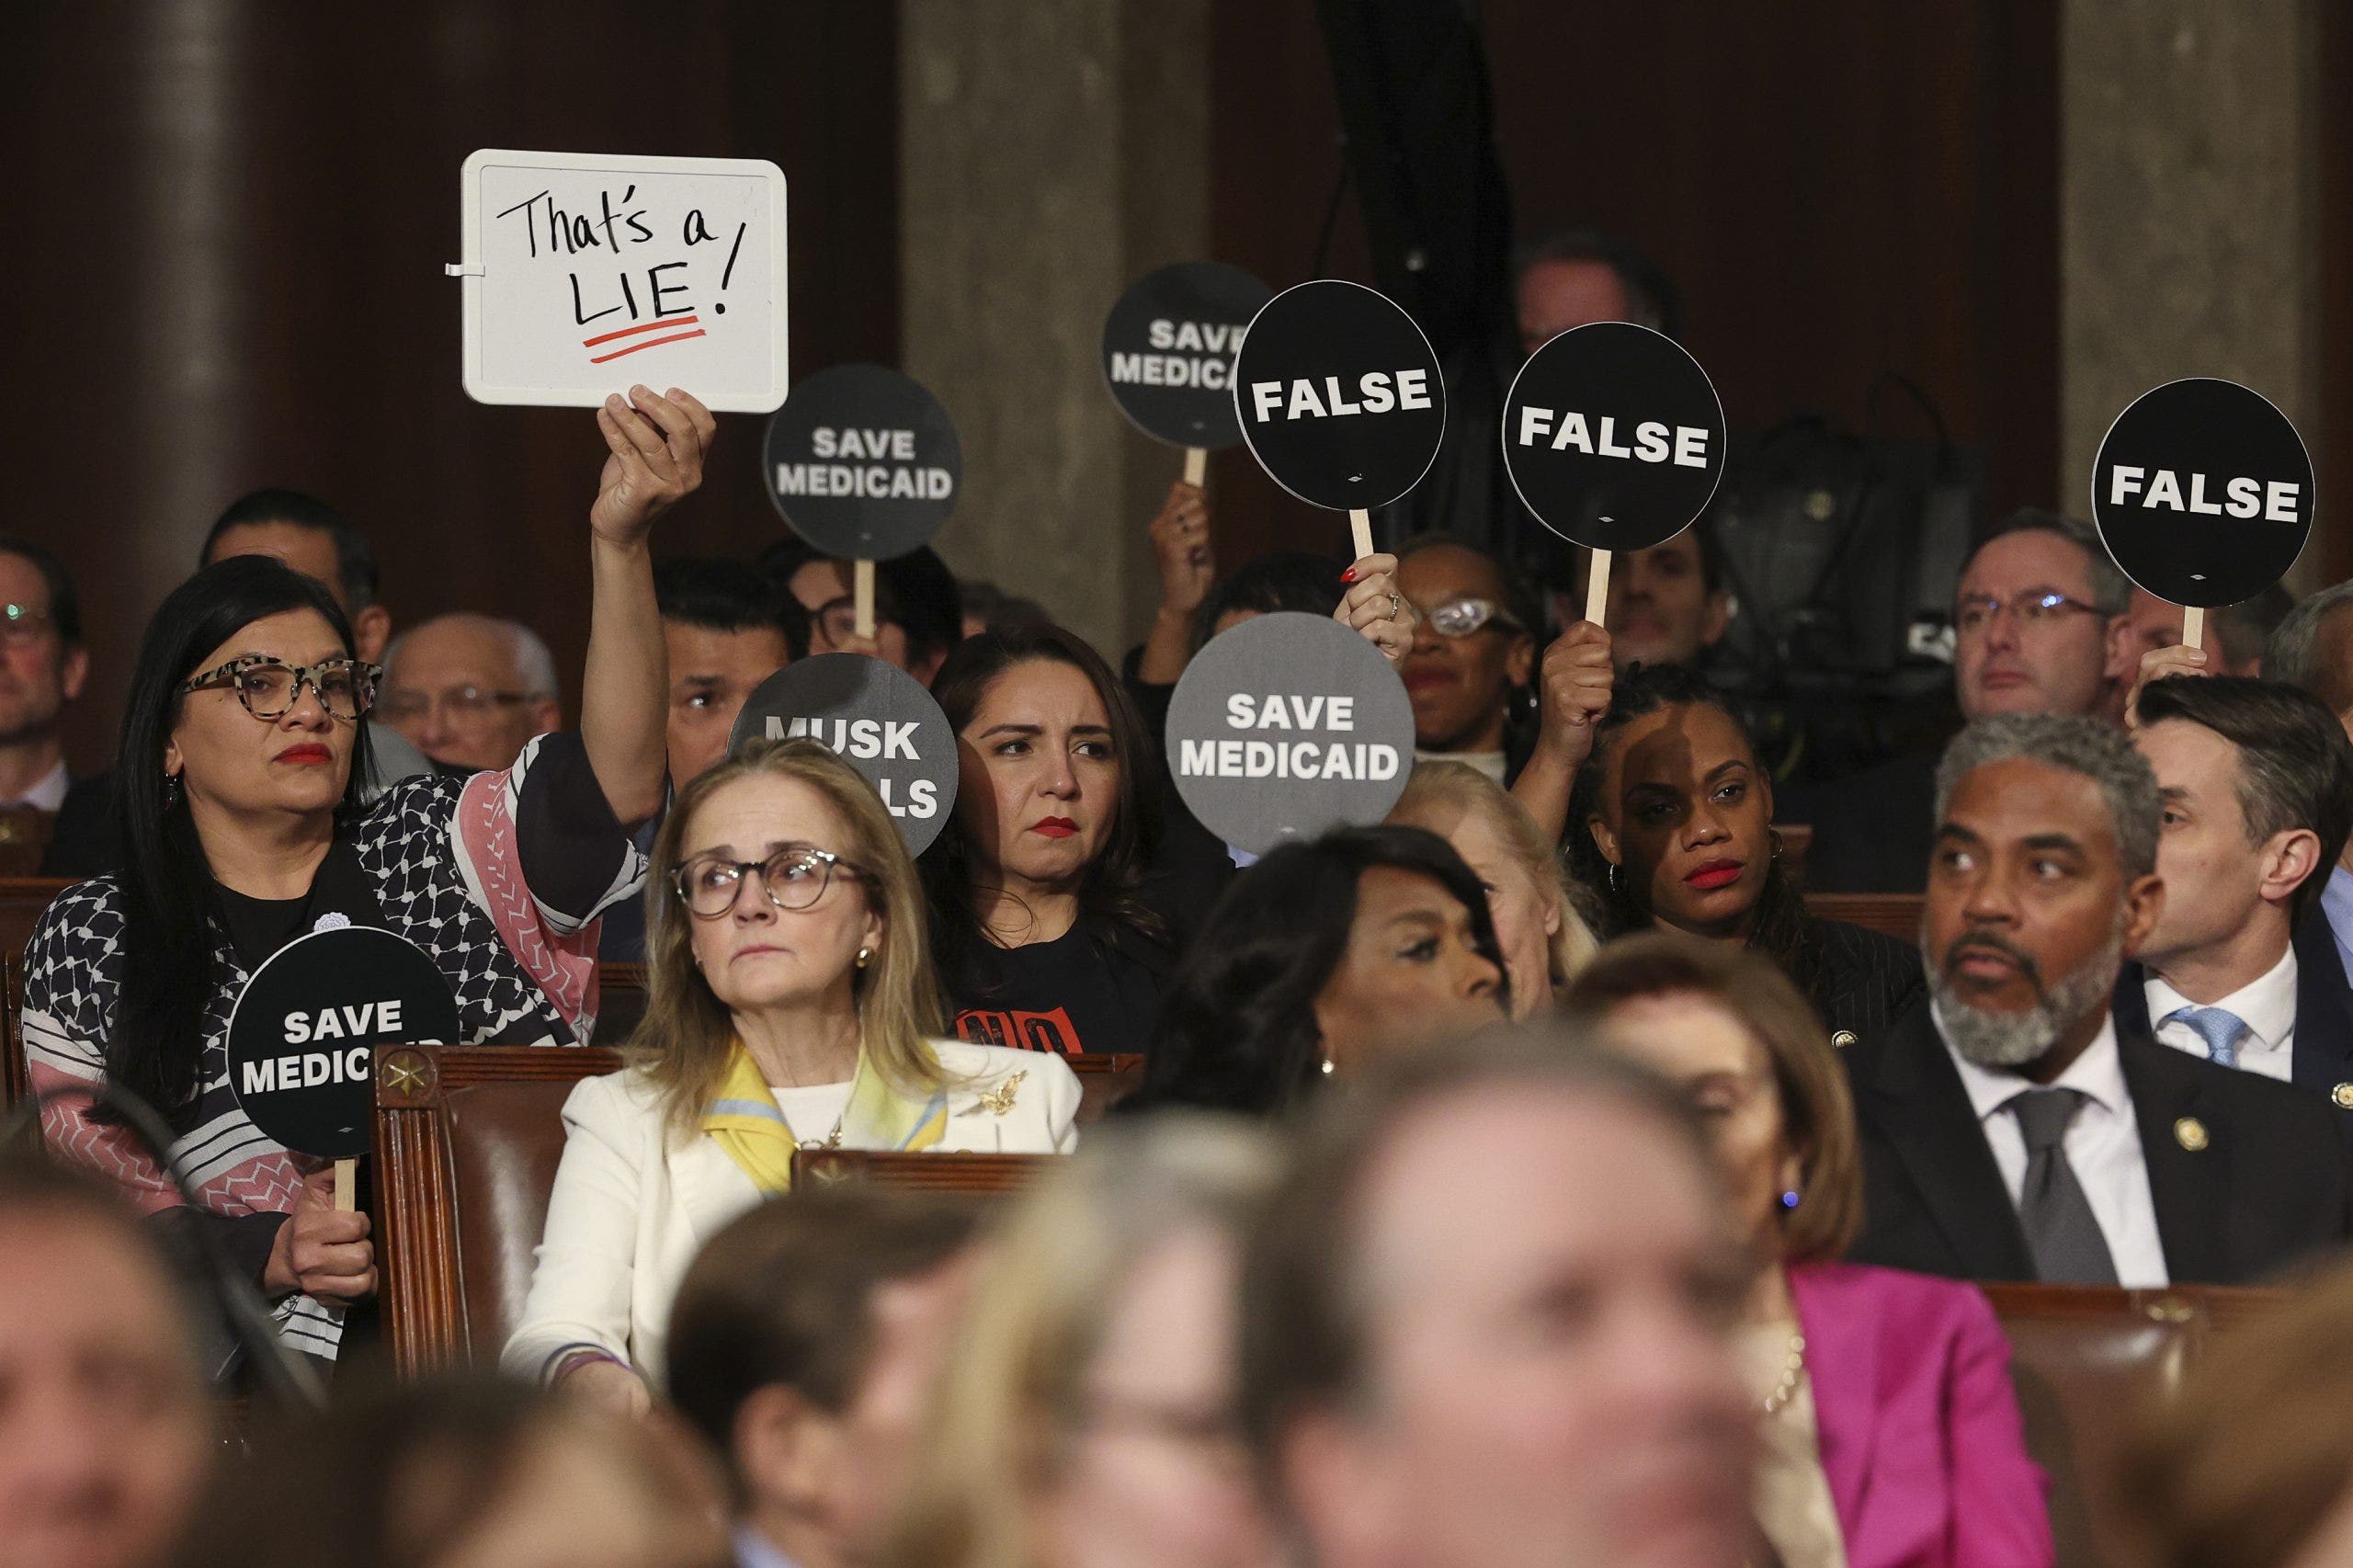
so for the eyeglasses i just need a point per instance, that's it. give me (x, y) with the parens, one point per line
(794, 878)
(269, 687)
(1461, 618)
(2034, 607)
(20, 624)
(837, 620)
(465, 703)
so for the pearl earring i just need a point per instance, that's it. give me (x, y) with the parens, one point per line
(865, 957)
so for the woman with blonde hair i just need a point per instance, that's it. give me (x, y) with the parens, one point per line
(1889, 1436)
(790, 1002)
(1544, 940)
(1086, 1416)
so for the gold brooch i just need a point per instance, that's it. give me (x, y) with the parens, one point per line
(2190, 1133)
(999, 1100)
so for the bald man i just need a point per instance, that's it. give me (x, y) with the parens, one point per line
(468, 690)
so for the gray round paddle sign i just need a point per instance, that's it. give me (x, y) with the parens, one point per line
(1339, 395)
(1614, 436)
(303, 1036)
(1286, 725)
(863, 462)
(2203, 491)
(876, 718)
(1168, 348)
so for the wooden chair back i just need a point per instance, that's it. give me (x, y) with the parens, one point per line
(467, 1139)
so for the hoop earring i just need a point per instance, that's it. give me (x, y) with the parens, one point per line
(1612, 879)
(171, 791)
(1773, 836)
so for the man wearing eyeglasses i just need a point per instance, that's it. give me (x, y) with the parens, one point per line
(470, 691)
(2030, 635)
(42, 664)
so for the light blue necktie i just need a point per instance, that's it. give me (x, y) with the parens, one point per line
(2219, 1027)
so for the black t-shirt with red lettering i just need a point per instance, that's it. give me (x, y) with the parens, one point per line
(1083, 994)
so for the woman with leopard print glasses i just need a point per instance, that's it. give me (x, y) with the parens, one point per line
(243, 747)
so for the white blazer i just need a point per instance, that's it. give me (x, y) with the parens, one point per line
(631, 1208)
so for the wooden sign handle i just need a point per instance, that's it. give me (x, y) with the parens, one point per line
(345, 1183)
(862, 596)
(1360, 530)
(1197, 466)
(1597, 587)
(2193, 627)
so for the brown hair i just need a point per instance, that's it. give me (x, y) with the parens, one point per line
(1013, 1391)
(1434, 788)
(683, 1044)
(782, 1296)
(2255, 1454)
(1817, 1109)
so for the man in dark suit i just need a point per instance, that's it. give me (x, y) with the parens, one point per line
(2012, 1130)
(2257, 781)
(2030, 620)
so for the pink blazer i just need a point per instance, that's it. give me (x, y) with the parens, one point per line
(1920, 1432)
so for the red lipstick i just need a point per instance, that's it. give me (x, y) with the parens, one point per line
(1053, 828)
(308, 754)
(1709, 875)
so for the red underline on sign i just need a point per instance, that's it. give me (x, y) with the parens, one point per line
(649, 343)
(642, 326)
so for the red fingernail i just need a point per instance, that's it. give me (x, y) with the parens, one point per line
(1349, 576)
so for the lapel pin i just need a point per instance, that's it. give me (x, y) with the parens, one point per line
(2343, 1096)
(1000, 1099)
(1845, 1038)
(2190, 1133)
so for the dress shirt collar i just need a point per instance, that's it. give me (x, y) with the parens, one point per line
(2099, 1072)
(49, 793)
(2265, 1005)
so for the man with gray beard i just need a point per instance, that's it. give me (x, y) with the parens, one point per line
(2011, 1130)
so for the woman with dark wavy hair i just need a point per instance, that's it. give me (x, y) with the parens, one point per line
(1671, 825)
(1046, 920)
(1319, 957)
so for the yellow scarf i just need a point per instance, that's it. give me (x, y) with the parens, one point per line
(744, 1122)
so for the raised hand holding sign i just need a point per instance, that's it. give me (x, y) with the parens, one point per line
(863, 462)
(1339, 396)
(2202, 492)
(1614, 438)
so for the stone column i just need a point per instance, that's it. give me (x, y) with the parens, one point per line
(1050, 151)
(2188, 211)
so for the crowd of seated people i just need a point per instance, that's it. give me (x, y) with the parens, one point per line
(1758, 1160)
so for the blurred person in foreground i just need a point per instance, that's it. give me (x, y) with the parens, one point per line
(463, 1472)
(807, 1335)
(2250, 1464)
(1087, 1419)
(1488, 1322)
(105, 1418)
(1887, 1432)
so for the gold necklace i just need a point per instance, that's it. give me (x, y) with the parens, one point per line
(1792, 1371)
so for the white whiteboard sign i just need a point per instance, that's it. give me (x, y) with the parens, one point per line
(586, 275)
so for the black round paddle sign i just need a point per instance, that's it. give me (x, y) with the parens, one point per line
(863, 462)
(1614, 436)
(1339, 395)
(2203, 491)
(874, 716)
(1168, 348)
(303, 1033)
(1285, 725)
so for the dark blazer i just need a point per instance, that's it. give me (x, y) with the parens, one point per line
(1869, 980)
(2272, 1186)
(2323, 1057)
(87, 840)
